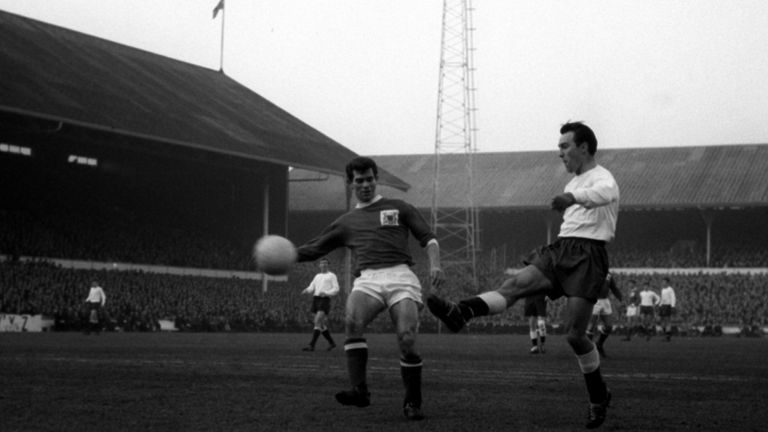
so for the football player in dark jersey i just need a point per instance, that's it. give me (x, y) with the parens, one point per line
(377, 230)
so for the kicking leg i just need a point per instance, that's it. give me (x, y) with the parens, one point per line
(527, 282)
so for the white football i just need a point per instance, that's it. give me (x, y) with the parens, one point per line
(274, 254)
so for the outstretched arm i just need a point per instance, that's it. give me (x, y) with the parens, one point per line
(311, 288)
(436, 276)
(328, 240)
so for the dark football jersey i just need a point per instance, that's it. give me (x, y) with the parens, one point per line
(377, 234)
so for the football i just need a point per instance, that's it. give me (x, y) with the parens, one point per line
(274, 255)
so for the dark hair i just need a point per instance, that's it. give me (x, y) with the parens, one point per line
(581, 134)
(361, 164)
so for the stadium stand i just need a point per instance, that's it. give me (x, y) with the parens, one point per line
(179, 177)
(138, 300)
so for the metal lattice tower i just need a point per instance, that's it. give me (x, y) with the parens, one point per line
(454, 216)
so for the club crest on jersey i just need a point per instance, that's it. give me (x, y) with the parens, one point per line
(389, 217)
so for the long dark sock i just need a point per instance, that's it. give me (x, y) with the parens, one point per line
(596, 387)
(327, 336)
(410, 370)
(315, 335)
(473, 307)
(357, 361)
(589, 364)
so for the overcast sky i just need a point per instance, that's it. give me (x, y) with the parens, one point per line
(644, 73)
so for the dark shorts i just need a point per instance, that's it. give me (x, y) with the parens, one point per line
(665, 311)
(576, 267)
(535, 306)
(93, 311)
(646, 310)
(321, 304)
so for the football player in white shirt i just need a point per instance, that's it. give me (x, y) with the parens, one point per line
(95, 301)
(667, 305)
(323, 286)
(648, 301)
(574, 266)
(633, 299)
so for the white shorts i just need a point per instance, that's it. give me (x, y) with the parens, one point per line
(602, 307)
(390, 285)
(631, 311)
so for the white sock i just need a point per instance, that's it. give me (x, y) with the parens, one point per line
(589, 362)
(495, 301)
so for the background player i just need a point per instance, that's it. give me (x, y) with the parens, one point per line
(536, 310)
(94, 302)
(633, 312)
(602, 313)
(648, 301)
(377, 231)
(323, 286)
(667, 304)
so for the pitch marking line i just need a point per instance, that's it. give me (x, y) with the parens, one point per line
(285, 365)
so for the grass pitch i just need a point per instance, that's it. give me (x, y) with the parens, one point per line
(264, 382)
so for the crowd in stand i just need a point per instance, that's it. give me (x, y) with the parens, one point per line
(111, 234)
(724, 256)
(111, 237)
(137, 301)
(109, 216)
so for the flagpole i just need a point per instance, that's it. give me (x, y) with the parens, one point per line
(221, 52)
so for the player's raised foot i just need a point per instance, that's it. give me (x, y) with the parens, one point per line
(412, 412)
(330, 347)
(597, 412)
(358, 397)
(308, 348)
(448, 312)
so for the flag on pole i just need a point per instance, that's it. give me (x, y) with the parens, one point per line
(218, 7)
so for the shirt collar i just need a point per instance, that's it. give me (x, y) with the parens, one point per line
(363, 205)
